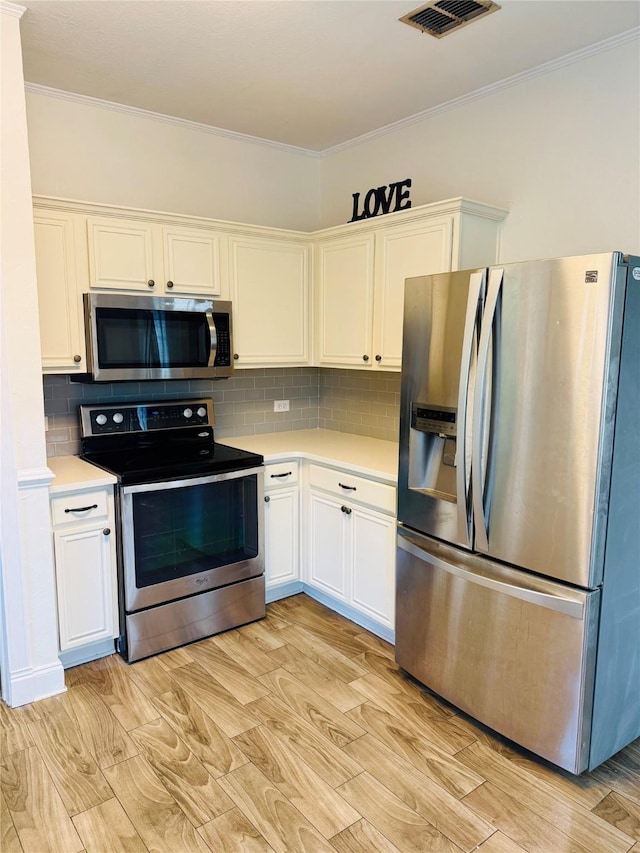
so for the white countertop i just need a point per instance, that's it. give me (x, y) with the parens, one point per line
(71, 472)
(371, 457)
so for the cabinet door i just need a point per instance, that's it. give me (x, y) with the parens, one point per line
(281, 526)
(192, 261)
(419, 248)
(121, 255)
(328, 546)
(269, 291)
(59, 297)
(373, 551)
(85, 577)
(345, 301)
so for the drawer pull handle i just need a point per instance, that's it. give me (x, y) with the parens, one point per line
(82, 508)
(346, 510)
(277, 476)
(348, 488)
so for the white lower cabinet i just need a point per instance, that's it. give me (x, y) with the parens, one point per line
(351, 538)
(84, 542)
(282, 530)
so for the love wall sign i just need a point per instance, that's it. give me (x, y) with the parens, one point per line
(379, 200)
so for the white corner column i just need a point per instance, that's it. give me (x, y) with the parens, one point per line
(29, 664)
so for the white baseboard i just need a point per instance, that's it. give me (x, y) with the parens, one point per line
(33, 683)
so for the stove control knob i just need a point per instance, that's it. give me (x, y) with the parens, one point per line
(118, 418)
(201, 412)
(101, 420)
(187, 413)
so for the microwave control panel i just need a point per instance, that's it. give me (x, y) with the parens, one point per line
(223, 335)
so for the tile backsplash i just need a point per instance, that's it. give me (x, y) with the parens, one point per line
(345, 400)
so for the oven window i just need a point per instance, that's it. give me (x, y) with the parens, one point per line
(191, 529)
(139, 338)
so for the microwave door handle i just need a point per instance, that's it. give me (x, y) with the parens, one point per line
(477, 282)
(213, 339)
(482, 412)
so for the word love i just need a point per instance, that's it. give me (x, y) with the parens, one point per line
(381, 200)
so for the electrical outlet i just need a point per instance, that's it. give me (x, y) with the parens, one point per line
(280, 405)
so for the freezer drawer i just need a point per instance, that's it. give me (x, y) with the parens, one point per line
(515, 651)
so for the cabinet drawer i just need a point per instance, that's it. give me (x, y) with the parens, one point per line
(79, 506)
(280, 474)
(353, 488)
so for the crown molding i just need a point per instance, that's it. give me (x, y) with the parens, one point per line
(12, 9)
(87, 100)
(486, 91)
(416, 118)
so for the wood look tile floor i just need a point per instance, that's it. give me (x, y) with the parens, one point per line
(295, 733)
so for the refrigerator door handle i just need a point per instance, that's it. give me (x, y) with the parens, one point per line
(482, 411)
(552, 600)
(477, 282)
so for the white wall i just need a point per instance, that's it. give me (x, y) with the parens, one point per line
(82, 151)
(560, 152)
(28, 627)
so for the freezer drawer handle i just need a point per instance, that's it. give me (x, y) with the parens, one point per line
(569, 607)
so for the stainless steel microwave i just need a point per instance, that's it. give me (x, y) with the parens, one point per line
(133, 338)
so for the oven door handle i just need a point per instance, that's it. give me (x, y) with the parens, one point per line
(191, 481)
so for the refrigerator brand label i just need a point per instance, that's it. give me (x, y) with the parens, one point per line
(591, 276)
(635, 272)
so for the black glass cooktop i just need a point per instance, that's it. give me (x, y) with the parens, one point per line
(151, 459)
(150, 442)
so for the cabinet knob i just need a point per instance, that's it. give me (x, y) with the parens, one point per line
(169, 284)
(236, 356)
(365, 358)
(77, 358)
(107, 531)
(346, 510)
(151, 283)
(267, 499)
(378, 358)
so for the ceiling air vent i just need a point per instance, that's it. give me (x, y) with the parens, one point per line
(442, 17)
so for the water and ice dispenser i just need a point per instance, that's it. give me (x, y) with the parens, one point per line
(432, 450)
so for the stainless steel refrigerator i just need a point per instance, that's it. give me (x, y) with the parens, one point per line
(518, 572)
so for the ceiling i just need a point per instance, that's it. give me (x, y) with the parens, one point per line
(307, 73)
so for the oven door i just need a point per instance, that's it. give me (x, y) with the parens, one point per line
(188, 536)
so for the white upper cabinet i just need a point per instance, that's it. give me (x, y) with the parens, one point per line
(269, 292)
(58, 259)
(192, 261)
(344, 300)
(361, 269)
(404, 251)
(127, 254)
